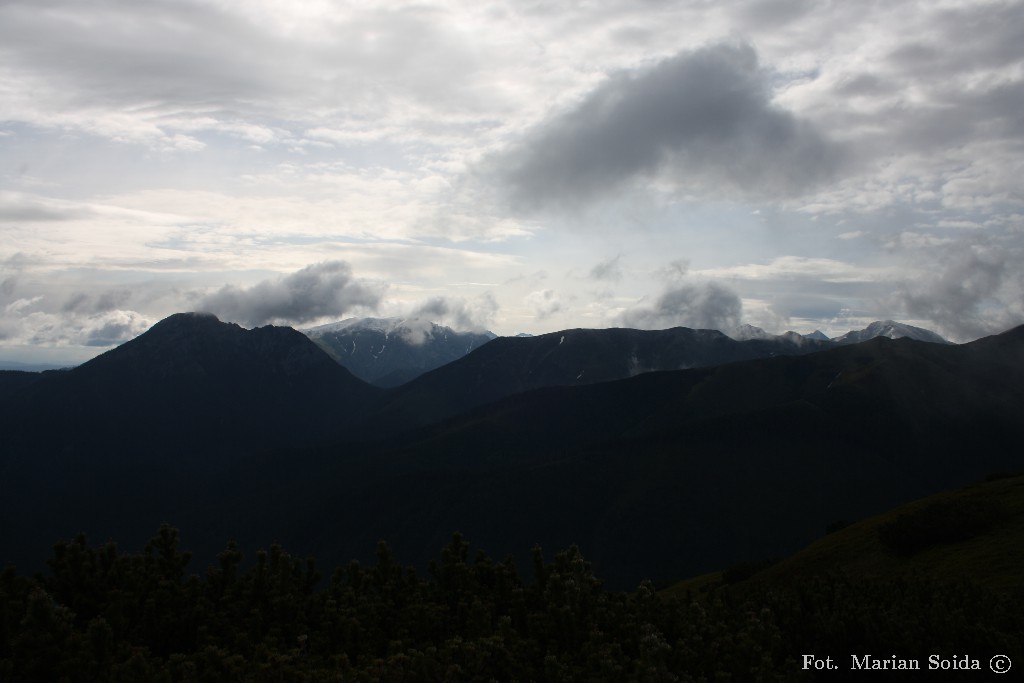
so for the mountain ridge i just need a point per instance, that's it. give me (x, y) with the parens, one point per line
(259, 435)
(389, 352)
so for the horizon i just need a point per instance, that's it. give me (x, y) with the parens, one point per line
(11, 363)
(784, 164)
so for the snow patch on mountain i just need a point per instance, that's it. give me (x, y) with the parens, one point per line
(748, 332)
(414, 331)
(892, 330)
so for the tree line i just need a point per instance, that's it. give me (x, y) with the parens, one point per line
(100, 614)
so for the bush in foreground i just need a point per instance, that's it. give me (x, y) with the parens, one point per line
(102, 615)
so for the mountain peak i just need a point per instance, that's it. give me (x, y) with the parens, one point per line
(190, 318)
(212, 376)
(892, 330)
(745, 332)
(392, 351)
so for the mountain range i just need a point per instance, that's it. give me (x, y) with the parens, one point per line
(388, 352)
(663, 454)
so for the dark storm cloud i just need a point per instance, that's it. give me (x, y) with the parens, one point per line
(701, 120)
(709, 306)
(316, 291)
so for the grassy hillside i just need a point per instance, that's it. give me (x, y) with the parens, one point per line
(974, 534)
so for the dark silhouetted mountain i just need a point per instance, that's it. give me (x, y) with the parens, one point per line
(512, 365)
(670, 474)
(389, 352)
(126, 434)
(13, 381)
(193, 372)
(663, 474)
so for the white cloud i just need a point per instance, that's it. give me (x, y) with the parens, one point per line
(809, 157)
(544, 303)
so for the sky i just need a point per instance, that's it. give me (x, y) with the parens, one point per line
(517, 166)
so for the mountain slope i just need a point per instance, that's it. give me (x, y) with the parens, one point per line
(124, 441)
(512, 365)
(891, 330)
(670, 474)
(191, 368)
(663, 474)
(389, 352)
(974, 533)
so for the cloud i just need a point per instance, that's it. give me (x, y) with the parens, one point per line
(698, 121)
(458, 313)
(608, 270)
(709, 306)
(151, 72)
(675, 271)
(320, 290)
(109, 300)
(68, 329)
(545, 303)
(114, 328)
(971, 290)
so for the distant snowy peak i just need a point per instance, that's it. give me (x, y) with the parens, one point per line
(414, 330)
(391, 351)
(879, 328)
(384, 325)
(744, 332)
(748, 332)
(892, 330)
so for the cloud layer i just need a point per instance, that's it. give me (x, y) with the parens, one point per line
(317, 291)
(826, 164)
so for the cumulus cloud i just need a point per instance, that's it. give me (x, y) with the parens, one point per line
(112, 328)
(675, 271)
(69, 329)
(699, 120)
(458, 313)
(972, 290)
(708, 305)
(545, 303)
(319, 290)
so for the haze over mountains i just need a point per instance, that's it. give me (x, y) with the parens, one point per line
(661, 453)
(388, 352)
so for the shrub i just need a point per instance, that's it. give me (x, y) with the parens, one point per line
(940, 523)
